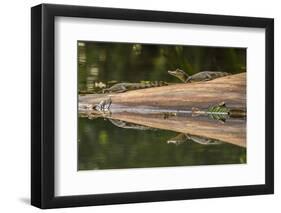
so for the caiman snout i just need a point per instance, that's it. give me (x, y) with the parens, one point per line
(173, 72)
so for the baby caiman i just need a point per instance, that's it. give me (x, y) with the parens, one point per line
(200, 76)
(123, 87)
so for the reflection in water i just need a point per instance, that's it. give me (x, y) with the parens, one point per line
(140, 143)
(126, 125)
(132, 148)
(181, 138)
(146, 136)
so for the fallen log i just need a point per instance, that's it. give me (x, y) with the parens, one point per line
(133, 106)
(230, 89)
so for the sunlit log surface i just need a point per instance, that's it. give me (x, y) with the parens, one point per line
(135, 106)
(230, 89)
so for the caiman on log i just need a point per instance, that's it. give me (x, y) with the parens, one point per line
(180, 74)
(123, 87)
(200, 76)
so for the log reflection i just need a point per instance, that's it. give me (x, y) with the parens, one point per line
(232, 131)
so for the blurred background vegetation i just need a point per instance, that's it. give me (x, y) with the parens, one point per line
(102, 145)
(103, 64)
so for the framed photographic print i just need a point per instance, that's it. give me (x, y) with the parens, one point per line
(140, 106)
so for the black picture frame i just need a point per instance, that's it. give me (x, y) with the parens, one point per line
(43, 117)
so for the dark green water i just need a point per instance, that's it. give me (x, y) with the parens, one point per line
(105, 146)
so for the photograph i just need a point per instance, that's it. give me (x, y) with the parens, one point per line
(139, 105)
(144, 105)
